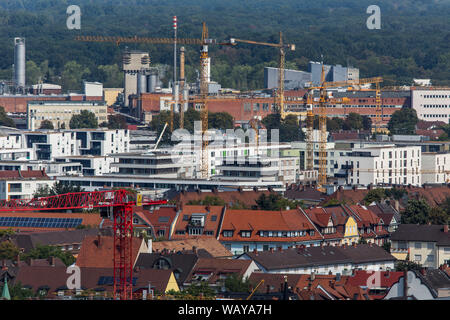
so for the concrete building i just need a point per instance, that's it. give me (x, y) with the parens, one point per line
(431, 104)
(435, 167)
(22, 184)
(134, 63)
(293, 79)
(60, 112)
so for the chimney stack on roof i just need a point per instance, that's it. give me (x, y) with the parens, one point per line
(446, 228)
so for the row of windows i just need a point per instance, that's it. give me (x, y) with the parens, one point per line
(431, 96)
(435, 115)
(436, 106)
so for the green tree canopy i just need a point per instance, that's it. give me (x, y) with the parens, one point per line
(403, 121)
(45, 252)
(8, 251)
(275, 201)
(420, 212)
(117, 122)
(46, 124)
(237, 283)
(72, 75)
(220, 120)
(5, 120)
(84, 120)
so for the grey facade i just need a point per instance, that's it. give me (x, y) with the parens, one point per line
(293, 79)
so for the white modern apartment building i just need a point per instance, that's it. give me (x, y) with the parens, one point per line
(431, 104)
(435, 167)
(90, 165)
(257, 168)
(157, 164)
(12, 141)
(47, 145)
(102, 142)
(386, 164)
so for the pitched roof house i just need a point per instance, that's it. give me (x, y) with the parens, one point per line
(248, 230)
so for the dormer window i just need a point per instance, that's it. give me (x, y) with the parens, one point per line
(227, 233)
(246, 234)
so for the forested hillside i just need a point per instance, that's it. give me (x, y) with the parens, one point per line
(414, 39)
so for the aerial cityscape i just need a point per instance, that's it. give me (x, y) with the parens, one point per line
(215, 151)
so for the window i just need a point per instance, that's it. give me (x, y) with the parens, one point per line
(417, 257)
(430, 245)
(246, 248)
(430, 258)
(418, 245)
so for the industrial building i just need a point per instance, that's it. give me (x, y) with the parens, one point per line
(431, 104)
(60, 112)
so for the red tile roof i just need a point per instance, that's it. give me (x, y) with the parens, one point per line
(378, 279)
(248, 198)
(23, 175)
(217, 267)
(210, 244)
(256, 220)
(100, 254)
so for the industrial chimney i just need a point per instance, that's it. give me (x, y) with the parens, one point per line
(19, 62)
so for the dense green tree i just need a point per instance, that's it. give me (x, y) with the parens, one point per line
(366, 123)
(18, 292)
(46, 124)
(275, 201)
(85, 119)
(236, 283)
(117, 122)
(72, 75)
(354, 121)
(8, 251)
(34, 73)
(208, 201)
(374, 195)
(5, 120)
(220, 120)
(58, 188)
(416, 212)
(111, 76)
(407, 265)
(403, 121)
(289, 128)
(45, 252)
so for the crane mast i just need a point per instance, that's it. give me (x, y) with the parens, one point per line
(122, 203)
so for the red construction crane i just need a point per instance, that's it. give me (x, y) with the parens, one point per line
(122, 203)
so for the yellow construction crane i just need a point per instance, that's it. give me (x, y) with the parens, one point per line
(323, 121)
(204, 42)
(279, 100)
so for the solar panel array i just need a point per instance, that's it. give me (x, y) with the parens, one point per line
(109, 281)
(28, 222)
